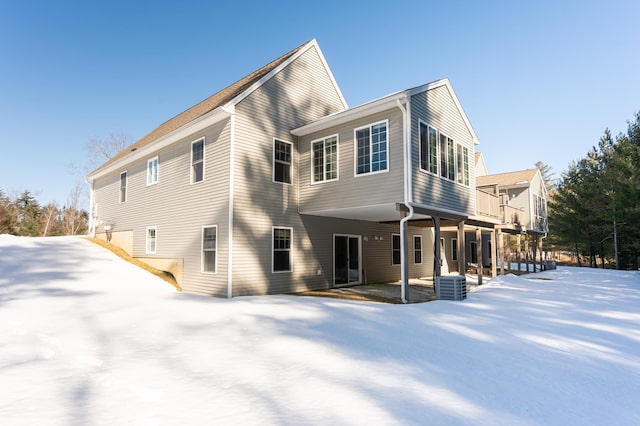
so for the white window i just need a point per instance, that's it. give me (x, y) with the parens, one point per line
(324, 159)
(151, 240)
(281, 161)
(152, 171)
(209, 248)
(281, 249)
(395, 249)
(417, 249)
(123, 187)
(371, 148)
(428, 148)
(451, 160)
(465, 165)
(197, 161)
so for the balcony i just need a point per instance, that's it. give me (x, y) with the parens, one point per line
(487, 204)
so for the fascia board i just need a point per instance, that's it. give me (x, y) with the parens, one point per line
(355, 113)
(209, 119)
(447, 83)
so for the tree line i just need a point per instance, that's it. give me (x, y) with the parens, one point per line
(595, 207)
(23, 215)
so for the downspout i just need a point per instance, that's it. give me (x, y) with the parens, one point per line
(231, 197)
(408, 198)
(92, 220)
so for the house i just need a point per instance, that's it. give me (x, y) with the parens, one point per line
(275, 185)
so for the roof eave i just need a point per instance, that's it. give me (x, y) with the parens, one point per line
(211, 118)
(355, 113)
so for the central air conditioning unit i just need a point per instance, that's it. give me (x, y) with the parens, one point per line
(451, 287)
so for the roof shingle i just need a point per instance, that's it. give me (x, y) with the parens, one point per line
(217, 100)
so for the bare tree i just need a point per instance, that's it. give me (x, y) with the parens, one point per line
(49, 219)
(74, 219)
(102, 149)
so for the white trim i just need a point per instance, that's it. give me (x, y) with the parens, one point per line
(276, 70)
(191, 174)
(273, 164)
(188, 130)
(126, 187)
(323, 140)
(429, 126)
(421, 250)
(215, 250)
(355, 149)
(445, 82)
(155, 240)
(273, 228)
(157, 161)
(232, 135)
(342, 117)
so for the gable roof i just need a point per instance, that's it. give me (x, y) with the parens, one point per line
(381, 104)
(221, 101)
(519, 178)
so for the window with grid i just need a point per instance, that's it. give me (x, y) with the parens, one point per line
(395, 249)
(151, 240)
(152, 171)
(123, 187)
(428, 148)
(209, 248)
(281, 161)
(371, 148)
(451, 160)
(417, 249)
(197, 161)
(325, 159)
(281, 249)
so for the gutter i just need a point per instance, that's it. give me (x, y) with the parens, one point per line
(408, 199)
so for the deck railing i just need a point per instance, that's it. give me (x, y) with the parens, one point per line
(487, 204)
(511, 215)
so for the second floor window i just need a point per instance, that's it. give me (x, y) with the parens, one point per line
(281, 161)
(197, 161)
(324, 159)
(152, 171)
(123, 187)
(428, 148)
(371, 148)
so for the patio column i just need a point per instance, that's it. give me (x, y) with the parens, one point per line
(462, 262)
(518, 252)
(493, 254)
(501, 251)
(437, 270)
(404, 258)
(479, 254)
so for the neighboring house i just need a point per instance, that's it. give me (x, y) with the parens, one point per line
(522, 198)
(274, 185)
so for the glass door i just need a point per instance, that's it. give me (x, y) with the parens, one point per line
(346, 259)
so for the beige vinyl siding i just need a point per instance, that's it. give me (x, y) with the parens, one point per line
(519, 199)
(437, 108)
(299, 93)
(351, 190)
(177, 208)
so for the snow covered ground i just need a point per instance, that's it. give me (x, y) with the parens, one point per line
(86, 338)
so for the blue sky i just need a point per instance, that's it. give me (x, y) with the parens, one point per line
(538, 80)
